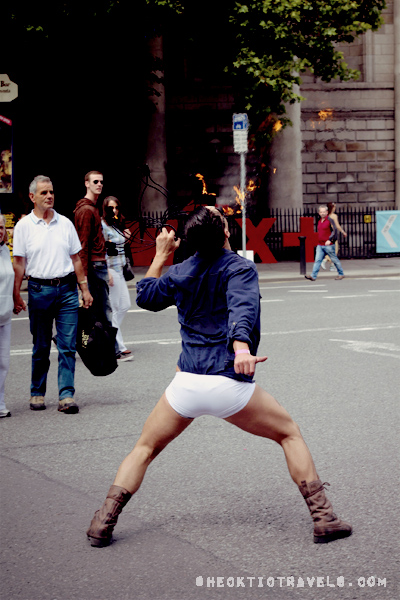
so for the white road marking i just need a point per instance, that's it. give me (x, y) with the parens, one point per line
(166, 341)
(377, 348)
(349, 296)
(288, 287)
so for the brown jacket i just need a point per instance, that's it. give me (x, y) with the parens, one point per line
(88, 226)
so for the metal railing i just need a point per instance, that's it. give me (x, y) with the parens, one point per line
(359, 224)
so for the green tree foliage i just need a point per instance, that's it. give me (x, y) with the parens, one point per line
(265, 44)
(277, 40)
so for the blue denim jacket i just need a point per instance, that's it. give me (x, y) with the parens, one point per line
(218, 302)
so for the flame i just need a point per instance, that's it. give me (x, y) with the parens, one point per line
(201, 177)
(240, 196)
(325, 114)
(277, 126)
(228, 210)
(204, 190)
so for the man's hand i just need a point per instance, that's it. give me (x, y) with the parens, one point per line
(166, 243)
(19, 304)
(87, 298)
(328, 243)
(245, 364)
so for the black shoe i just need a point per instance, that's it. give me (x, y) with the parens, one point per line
(309, 277)
(124, 357)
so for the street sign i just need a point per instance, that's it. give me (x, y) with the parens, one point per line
(8, 89)
(240, 145)
(240, 132)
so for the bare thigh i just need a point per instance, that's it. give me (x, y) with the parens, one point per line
(264, 416)
(162, 426)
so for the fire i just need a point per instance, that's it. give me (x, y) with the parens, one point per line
(277, 126)
(325, 114)
(240, 196)
(204, 190)
(201, 177)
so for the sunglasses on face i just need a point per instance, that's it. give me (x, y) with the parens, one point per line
(96, 181)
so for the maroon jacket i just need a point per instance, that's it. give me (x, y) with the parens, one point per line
(326, 231)
(88, 226)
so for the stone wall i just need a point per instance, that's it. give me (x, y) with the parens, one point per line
(348, 130)
(348, 158)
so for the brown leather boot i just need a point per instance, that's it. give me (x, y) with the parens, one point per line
(105, 519)
(327, 526)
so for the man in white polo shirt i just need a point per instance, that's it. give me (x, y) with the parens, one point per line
(45, 248)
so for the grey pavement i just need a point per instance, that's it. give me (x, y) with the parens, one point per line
(204, 508)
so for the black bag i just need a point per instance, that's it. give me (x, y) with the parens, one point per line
(96, 343)
(128, 270)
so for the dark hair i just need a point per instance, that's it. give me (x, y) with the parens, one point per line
(331, 206)
(108, 215)
(205, 232)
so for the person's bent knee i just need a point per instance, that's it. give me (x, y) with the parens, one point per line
(292, 432)
(147, 452)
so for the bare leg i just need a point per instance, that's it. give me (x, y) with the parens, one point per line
(265, 417)
(162, 426)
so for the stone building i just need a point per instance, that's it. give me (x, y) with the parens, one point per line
(344, 145)
(348, 129)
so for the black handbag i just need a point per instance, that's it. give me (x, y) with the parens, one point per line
(96, 343)
(128, 269)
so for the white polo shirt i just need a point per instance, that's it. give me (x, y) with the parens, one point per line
(47, 248)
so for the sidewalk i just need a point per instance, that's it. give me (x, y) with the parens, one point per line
(290, 271)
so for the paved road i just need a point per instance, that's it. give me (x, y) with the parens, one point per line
(217, 503)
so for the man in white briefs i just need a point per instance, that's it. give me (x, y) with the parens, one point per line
(220, 330)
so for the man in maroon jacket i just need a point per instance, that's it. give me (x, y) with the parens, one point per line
(93, 253)
(327, 234)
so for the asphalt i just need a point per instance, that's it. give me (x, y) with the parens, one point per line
(290, 271)
(55, 471)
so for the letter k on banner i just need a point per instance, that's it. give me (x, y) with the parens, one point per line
(256, 241)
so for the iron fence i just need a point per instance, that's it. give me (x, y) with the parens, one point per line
(359, 223)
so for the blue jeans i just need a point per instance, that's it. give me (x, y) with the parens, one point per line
(319, 257)
(47, 304)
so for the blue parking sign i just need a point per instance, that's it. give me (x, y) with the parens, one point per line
(240, 122)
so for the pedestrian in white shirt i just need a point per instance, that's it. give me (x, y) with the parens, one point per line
(46, 248)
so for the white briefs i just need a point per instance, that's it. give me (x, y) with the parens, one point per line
(192, 395)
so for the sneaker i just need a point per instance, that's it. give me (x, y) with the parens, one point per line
(323, 265)
(309, 277)
(4, 413)
(121, 357)
(37, 403)
(68, 406)
(332, 268)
